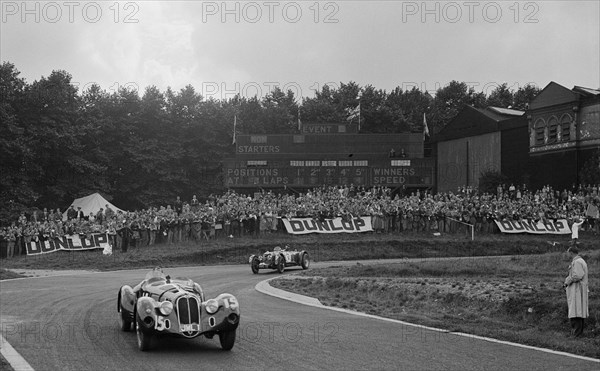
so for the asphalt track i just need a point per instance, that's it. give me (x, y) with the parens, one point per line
(70, 323)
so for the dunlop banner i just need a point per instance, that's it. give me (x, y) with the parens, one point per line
(559, 226)
(69, 243)
(336, 225)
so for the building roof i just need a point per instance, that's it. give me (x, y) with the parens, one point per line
(551, 95)
(555, 94)
(471, 121)
(586, 91)
(506, 111)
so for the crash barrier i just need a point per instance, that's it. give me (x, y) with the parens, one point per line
(472, 226)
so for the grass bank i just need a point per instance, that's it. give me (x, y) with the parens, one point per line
(518, 298)
(320, 247)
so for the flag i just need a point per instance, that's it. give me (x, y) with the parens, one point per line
(354, 113)
(425, 128)
(299, 122)
(234, 127)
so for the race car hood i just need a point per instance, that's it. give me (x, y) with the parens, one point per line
(170, 290)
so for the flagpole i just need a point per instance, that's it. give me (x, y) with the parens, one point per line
(359, 116)
(425, 127)
(234, 127)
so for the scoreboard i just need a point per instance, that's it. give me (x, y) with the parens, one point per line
(409, 173)
(329, 154)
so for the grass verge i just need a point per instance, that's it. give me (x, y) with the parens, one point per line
(518, 299)
(4, 365)
(7, 274)
(320, 248)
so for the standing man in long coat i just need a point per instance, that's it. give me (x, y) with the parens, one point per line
(576, 287)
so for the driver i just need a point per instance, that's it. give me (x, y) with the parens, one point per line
(155, 274)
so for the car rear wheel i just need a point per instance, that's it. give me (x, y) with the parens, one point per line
(227, 339)
(281, 264)
(124, 323)
(143, 338)
(305, 261)
(254, 265)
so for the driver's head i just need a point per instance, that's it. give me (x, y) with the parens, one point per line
(157, 272)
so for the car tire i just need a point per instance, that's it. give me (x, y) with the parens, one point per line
(281, 264)
(305, 261)
(254, 265)
(227, 339)
(143, 338)
(124, 323)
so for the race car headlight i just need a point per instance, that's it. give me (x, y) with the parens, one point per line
(166, 307)
(212, 306)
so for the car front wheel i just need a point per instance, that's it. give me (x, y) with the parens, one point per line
(227, 339)
(143, 338)
(305, 261)
(254, 265)
(281, 264)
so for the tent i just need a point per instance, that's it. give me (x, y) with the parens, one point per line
(91, 203)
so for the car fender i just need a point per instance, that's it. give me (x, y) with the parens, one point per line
(226, 318)
(229, 301)
(126, 299)
(146, 313)
(251, 257)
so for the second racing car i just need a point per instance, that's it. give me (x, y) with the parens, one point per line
(279, 259)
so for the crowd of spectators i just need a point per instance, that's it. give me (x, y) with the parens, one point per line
(238, 215)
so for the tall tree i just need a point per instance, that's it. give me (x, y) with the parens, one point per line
(448, 101)
(15, 182)
(58, 164)
(524, 95)
(501, 97)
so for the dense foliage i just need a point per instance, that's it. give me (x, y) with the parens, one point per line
(58, 143)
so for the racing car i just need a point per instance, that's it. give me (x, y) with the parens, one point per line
(279, 259)
(161, 306)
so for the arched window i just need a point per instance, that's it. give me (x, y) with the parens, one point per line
(540, 128)
(552, 130)
(565, 127)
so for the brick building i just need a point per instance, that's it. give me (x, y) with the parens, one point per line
(564, 133)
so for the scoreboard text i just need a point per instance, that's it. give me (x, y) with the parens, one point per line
(317, 175)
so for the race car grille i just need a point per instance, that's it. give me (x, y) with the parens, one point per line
(187, 310)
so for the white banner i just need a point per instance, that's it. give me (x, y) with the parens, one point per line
(69, 243)
(559, 226)
(336, 225)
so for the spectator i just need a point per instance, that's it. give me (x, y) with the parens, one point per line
(577, 222)
(71, 213)
(576, 287)
(100, 216)
(178, 205)
(109, 213)
(80, 214)
(195, 204)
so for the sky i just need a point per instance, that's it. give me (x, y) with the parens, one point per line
(223, 48)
